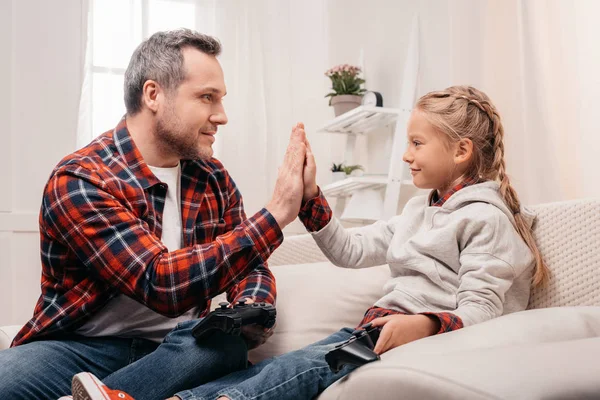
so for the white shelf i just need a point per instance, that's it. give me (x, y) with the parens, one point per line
(347, 187)
(361, 120)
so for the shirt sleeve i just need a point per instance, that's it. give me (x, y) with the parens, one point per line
(448, 321)
(315, 214)
(117, 247)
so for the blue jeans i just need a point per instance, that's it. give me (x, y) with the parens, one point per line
(301, 374)
(144, 369)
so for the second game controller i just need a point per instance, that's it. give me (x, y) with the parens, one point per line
(357, 350)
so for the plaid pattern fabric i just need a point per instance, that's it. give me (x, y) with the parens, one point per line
(376, 312)
(448, 321)
(315, 214)
(438, 202)
(100, 227)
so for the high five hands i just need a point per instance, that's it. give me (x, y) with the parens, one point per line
(296, 180)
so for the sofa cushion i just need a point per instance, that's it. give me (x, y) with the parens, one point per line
(559, 370)
(316, 300)
(7, 333)
(534, 354)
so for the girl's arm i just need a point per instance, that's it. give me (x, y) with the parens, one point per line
(493, 257)
(355, 248)
(365, 247)
(349, 248)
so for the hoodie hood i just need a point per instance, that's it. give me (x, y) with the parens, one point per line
(486, 192)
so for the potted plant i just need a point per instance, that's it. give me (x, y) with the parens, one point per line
(337, 172)
(354, 170)
(346, 85)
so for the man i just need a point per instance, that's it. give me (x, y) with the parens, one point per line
(141, 228)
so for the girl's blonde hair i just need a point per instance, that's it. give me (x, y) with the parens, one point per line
(463, 112)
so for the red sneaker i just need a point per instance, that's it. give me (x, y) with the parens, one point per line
(86, 386)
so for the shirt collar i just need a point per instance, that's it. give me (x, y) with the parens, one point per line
(132, 156)
(434, 201)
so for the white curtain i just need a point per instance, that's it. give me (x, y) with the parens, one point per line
(539, 62)
(274, 67)
(536, 59)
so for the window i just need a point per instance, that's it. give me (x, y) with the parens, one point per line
(116, 28)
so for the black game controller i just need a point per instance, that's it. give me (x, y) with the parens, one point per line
(230, 320)
(357, 350)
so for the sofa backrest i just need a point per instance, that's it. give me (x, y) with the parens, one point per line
(568, 235)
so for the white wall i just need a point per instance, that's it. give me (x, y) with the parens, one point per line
(381, 31)
(41, 43)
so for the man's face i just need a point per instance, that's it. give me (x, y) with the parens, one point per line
(189, 115)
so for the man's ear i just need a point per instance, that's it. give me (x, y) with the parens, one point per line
(150, 95)
(463, 151)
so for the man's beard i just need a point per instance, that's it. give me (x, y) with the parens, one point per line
(173, 137)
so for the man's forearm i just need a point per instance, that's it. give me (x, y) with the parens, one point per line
(259, 286)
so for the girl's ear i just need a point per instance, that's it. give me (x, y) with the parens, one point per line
(463, 151)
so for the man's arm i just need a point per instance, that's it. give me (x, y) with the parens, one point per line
(79, 209)
(117, 247)
(258, 285)
(284, 207)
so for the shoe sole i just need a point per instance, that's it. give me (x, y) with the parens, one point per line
(85, 387)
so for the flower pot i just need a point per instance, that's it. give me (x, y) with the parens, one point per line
(337, 176)
(344, 103)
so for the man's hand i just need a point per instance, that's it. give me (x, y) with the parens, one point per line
(289, 188)
(256, 335)
(401, 329)
(310, 173)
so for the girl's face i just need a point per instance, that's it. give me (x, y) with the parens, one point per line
(430, 156)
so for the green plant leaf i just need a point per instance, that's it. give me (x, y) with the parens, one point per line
(349, 168)
(337, 167)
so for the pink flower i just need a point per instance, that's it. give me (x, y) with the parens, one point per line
(343, 68)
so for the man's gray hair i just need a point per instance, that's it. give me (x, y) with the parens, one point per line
(160, 58)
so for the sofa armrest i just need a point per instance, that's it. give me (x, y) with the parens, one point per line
(300, 249)
(7, 333)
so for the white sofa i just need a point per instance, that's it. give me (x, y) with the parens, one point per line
(550, 351)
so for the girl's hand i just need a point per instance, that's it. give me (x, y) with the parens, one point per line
(401, 329)
(310, 171)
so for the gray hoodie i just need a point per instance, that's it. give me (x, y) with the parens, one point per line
(465, 257)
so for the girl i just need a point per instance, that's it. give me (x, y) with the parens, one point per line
(462, 255)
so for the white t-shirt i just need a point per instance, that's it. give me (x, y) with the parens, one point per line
(122, 316)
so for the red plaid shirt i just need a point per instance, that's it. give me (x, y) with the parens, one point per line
(100, 227)
(436, 201)
(316, 215)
